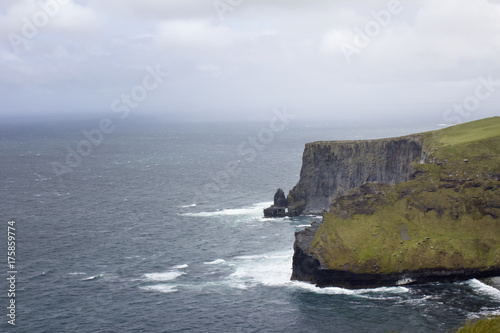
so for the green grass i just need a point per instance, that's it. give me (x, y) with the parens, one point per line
(469, 132)
(484, 325)
(377, 243)
(476, 141)
(448, 217)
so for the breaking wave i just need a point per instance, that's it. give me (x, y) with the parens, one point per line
(255, 210)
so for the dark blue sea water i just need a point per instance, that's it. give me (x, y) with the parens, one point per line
(159, 228)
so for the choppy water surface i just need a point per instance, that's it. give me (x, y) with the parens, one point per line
(145, 235)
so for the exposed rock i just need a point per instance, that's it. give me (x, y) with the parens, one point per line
(364, 199)
(331, 169)
(309, 269)
(274, 211)
(278, 209)
(280, 199)
(305, 265)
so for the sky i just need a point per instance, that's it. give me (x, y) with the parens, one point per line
(238, 60)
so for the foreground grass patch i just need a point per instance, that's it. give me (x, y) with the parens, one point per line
(484, 325)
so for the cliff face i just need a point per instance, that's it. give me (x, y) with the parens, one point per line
(424, 208)
(330, 169)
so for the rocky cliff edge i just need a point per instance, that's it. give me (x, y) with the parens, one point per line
(331, 169)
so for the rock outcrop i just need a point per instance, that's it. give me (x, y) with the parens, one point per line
(414, 209)
(278, 209)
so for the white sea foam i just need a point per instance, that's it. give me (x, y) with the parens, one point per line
(484, 289)
(404, 281)
(326, 291)
(364, 293)
(77, 273)
(272, 269)
(414, 302)
(163, 277)
(484, 313)
(94, 277)
(275, 269)
(255, 210)
(215, 262)
(188, 206)
(163, 288)
(258, 256)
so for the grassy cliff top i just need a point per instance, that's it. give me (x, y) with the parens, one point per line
(447, 217)
(477, 141)
(468, 132)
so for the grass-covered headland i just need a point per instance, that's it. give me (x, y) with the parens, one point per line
(446, 217)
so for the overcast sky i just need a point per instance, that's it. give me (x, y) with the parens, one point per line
(239, 59)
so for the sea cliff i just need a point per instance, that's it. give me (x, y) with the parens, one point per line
(413, 209)
(330, 169)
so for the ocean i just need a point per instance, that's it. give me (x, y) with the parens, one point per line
(158, 227)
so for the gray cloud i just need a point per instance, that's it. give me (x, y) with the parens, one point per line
(261, 55)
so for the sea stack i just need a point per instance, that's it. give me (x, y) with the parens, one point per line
(278, 209)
